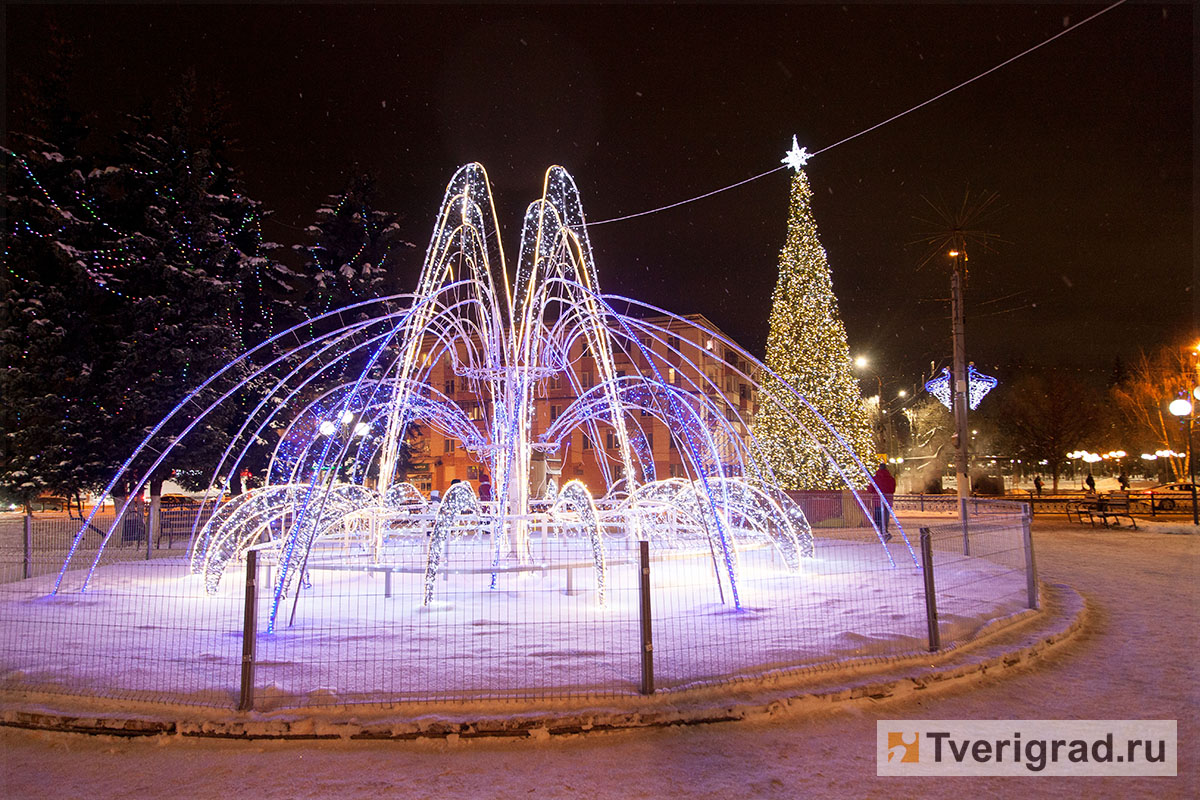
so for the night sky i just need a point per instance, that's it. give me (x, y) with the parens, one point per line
(1088, 143)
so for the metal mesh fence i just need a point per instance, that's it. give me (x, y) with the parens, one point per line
(495, 627)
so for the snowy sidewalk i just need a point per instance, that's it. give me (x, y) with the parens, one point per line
(1134, 660)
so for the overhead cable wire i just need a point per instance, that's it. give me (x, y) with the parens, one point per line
(865, 131)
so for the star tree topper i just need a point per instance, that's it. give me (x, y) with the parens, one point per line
(796, 158)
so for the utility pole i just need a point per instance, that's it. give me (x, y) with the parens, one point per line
(959, 388)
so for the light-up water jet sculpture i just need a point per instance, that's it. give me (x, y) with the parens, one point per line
(342, 403)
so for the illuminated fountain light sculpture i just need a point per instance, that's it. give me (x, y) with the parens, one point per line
(344, 402)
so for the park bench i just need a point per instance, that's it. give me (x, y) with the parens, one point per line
(1081, 508)
(1111, 506)
(50, 502)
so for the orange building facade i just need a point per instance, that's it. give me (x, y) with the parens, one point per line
(707, 365)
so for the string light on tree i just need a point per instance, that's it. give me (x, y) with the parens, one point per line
(806, 348)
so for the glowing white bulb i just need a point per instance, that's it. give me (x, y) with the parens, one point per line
(347, 417)
(362, 429)
(327, 428)
(1180, 407)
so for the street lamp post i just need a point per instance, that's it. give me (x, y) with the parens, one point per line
(959, 389)
(863, 363)
(1184, 408)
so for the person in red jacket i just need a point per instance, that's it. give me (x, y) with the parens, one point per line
(885, 489)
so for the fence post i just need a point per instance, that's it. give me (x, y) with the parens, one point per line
(27, 540)
(647, 641)
(1031, 587)
(249, 632)
(935, 637)
(154, 524)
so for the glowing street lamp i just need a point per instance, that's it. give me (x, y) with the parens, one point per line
(1182, 407)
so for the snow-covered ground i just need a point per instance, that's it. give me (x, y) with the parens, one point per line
(147, 630)
(1136, 659)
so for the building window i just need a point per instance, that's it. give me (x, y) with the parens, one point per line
(729, 413)
(556, 382)
(610, 440)
(555, 412)
(672, 376)
(450, 388)
(673, 342)
(448, 446)
(743, 392)
(587, 443)
(586, 380)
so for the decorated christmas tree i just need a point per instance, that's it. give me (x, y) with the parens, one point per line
(806, 348)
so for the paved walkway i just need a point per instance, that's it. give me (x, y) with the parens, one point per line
(1135, 660)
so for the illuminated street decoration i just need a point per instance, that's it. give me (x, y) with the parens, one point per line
(336, 493)
(978, 385)
(797, 157)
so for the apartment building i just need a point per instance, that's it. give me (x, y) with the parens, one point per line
(685, 355)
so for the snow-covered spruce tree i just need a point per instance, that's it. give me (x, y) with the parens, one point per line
(186, 257)
(51, 327)
(354, 247)
(806, 348)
